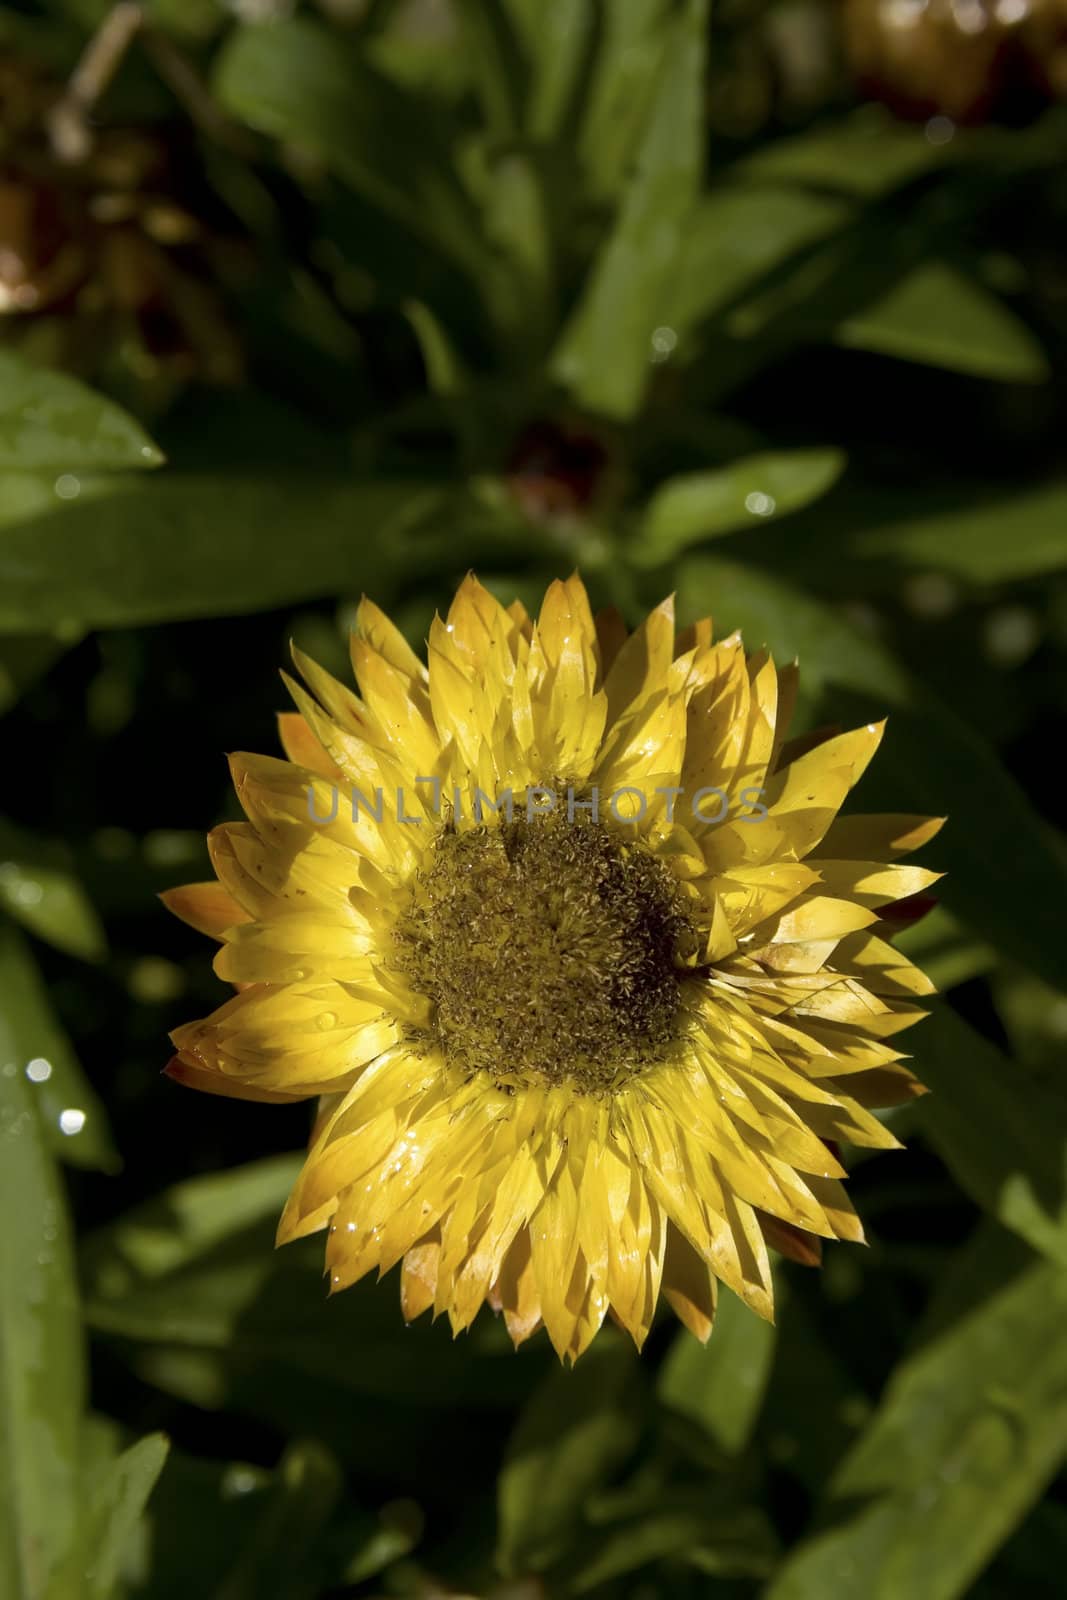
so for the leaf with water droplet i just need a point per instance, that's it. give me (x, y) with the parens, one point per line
(38, 888)
(603, 353)
(49, 420)
(42, 1378)
(706, 505)
(34, 1043)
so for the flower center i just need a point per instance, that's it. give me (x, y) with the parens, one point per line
(550, 951)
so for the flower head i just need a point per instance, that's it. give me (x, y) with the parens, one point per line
(584, 965)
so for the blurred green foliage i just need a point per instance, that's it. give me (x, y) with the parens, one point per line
(305, 300)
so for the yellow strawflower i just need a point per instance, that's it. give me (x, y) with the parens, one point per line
(583, 964)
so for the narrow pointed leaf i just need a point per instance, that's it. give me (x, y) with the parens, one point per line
(116, 1504)
(49, 421)
(721, 1384)
(970, 539)
(296, 80)
(281, 1559)
(706, 505)
(38, 888)
(576, 1431)
(1002, 1133)
(944, 318)
(32, 1042)
(969, 1431)
(605, 351)
(41, 1360)
(202, 545)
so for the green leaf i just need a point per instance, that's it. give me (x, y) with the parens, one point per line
(947, 953)
(280, 1560)
(706, 505)
(721, 1384)
(944, 318)
(39, 889)
(737, 237)
(302, 82)
(867, 153)
(1001, 1132)
(166, 1235)
(983, 537)
(625, 77)
(499, 66)
(968, 1433)
(216, 1525)
(576, 1431)
(26, 659)
(813, 1400)
(1006, 872)
(32, 1043)
(205, 545)
(604, 353)
(1038, 1547)
(41, 1368)
(685, 1526)
(191, 1290)
(117, 1503)
(49, 420)
(555, 41)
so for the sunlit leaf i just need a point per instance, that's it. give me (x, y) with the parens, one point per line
(555, 40)
(604, 353)
(39, 889)
(624, 78)
(705, 505)
(986, 538)
(200, 546)
(943, 318)
(721, 1384)
(114, 1505)
(167, 1235)
(51, 421)
(1001, 1132)
(34, 1045)
(576, 1430)
(969, 1431)
(41, 1373)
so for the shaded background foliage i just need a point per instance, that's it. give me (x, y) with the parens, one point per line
(768, 308)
